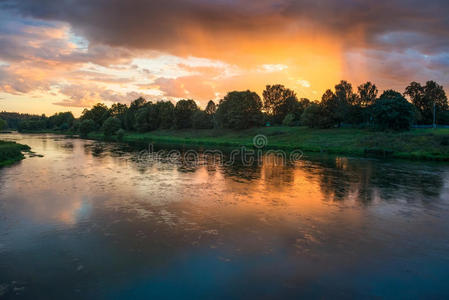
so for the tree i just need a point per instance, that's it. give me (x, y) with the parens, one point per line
(367, 94)
(240, 110)
(61, 121)
(183, 113)
(211, 108)
(312, 115)
(111, 126)
(119, 110)
(392, 111)
(98, 113)
(274, 96)
(345, 98)
(424, 98)
(328, 109)
(141, 117)
(130, 115)
(2, 124)
(166, 114)
(292, 106)
(202, 120)
(289, 120)
(86, 126)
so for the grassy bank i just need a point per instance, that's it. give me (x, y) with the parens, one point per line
(11, 152)
(418, 144)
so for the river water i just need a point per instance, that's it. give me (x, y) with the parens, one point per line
(89, 220)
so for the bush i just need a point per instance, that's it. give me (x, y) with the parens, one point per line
(393, 112)
(289, 120)
(86, 126)
(111, 125)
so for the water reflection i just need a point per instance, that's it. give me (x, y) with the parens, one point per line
(89, 219)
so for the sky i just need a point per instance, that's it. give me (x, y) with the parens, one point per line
(70, 54)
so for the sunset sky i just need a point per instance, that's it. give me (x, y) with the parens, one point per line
(66, 55)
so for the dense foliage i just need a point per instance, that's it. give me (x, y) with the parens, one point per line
(240, 110)
(393, 111)
(341, 107)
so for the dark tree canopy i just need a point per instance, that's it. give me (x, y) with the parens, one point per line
(98, 113)
(274, 96)
(367, 94)
(211, 108)
(183, 113)
(424, 98)
(393, 112)
(240, 110)
(86, 126)
(111, 126)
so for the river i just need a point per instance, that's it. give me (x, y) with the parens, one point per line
(90, 220)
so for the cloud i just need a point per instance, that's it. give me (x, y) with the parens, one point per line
(88, 95)
(201, 49)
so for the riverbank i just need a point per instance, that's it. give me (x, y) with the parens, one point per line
(417, 144)
(11, 152)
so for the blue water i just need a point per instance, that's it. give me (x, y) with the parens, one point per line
(88, 220)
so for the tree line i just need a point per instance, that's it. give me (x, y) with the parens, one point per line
(279, 105)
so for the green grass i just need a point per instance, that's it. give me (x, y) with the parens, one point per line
(417, 144)
(11, 152)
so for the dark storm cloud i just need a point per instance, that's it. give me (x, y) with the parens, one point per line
(160, 25)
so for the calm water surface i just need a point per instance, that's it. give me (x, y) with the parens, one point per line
(88, 221)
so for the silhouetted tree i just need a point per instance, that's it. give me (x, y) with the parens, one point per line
(274, 96)
(130, 115)
(166, 114)
(98, 113)
(202, 120)
(392, 111)
(141, 119)
(367, 94)
(119, 111)
(424, 97)
(239, 110)
(184, 110)
(292, 106)
(211, 108)
(312, 115)
(61, 121)
(329, 106)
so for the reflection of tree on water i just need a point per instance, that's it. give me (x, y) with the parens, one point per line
(366, 180)
(338, 178)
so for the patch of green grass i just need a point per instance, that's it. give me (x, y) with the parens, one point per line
(11, 152)
(417, 144)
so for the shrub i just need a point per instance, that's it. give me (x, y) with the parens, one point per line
(289, 120)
